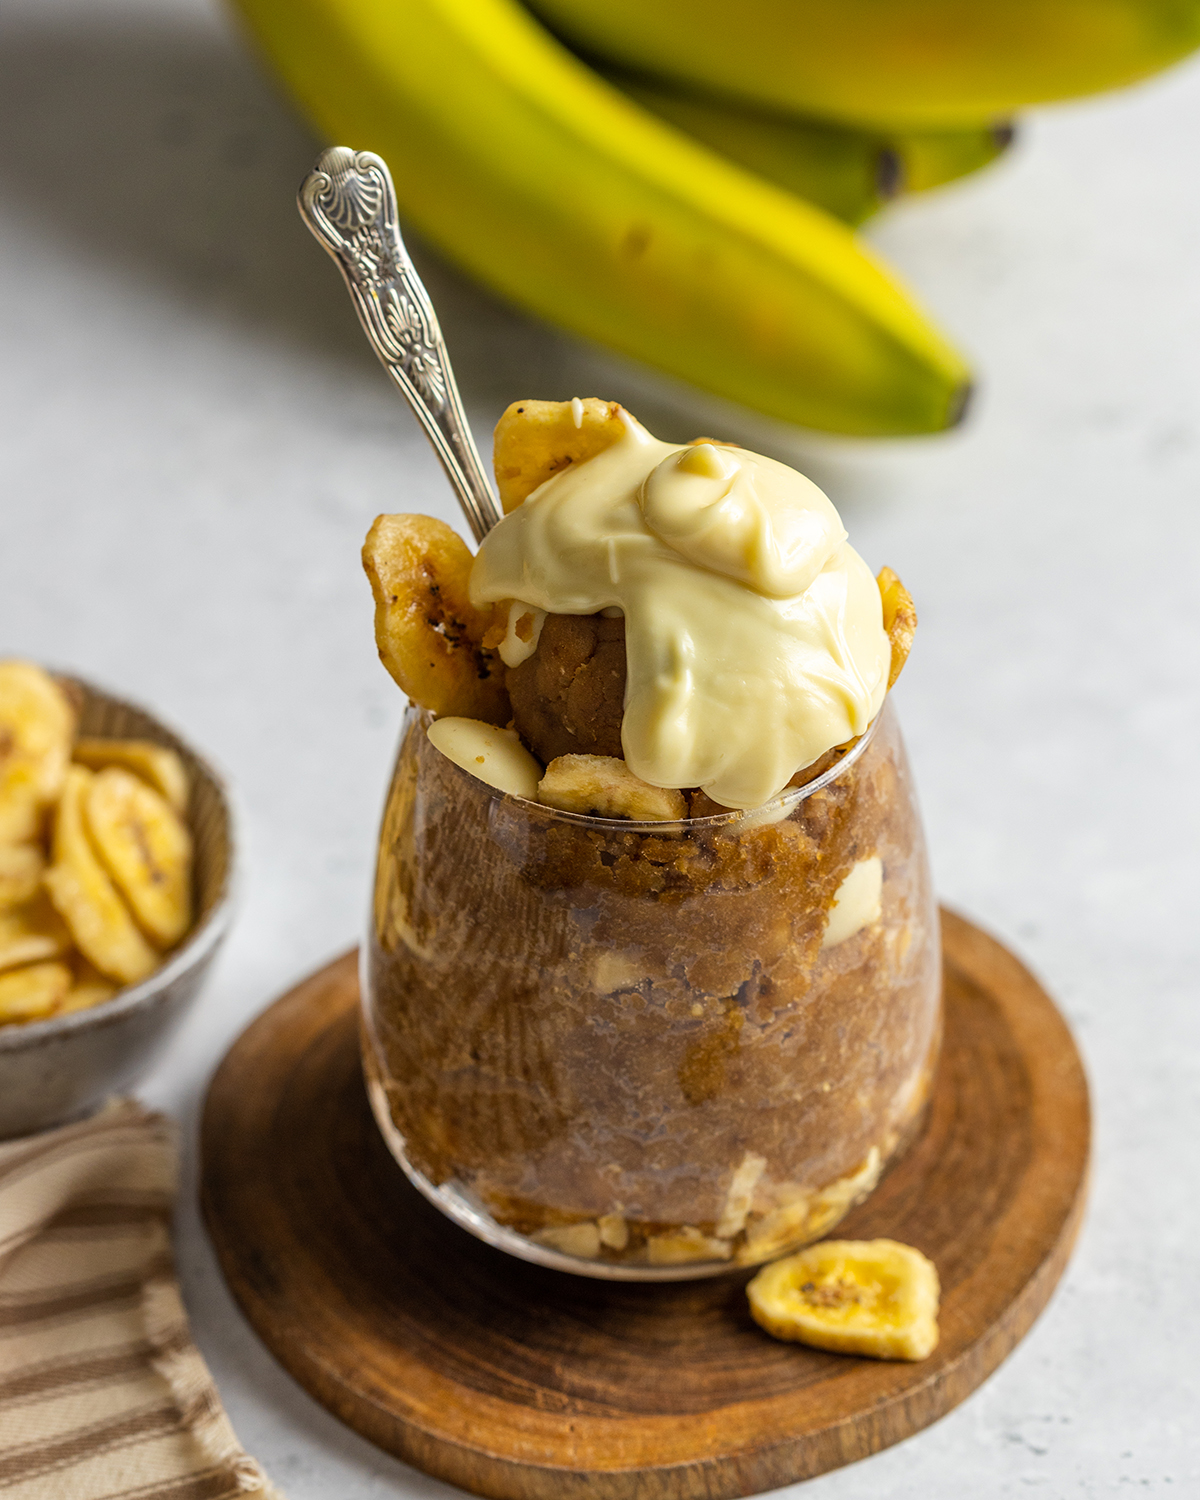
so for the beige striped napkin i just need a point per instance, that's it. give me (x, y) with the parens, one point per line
(102, 1392)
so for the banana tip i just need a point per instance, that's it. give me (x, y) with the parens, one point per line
(960, 404)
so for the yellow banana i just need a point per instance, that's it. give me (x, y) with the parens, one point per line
(849, 173)
(550, 186)
(913, 64)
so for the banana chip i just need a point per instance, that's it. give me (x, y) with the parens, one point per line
(89, 987)
(872, 1297)
(535, 440)
(899, 619)
(32, 933)
(86, 898)
(162, 768)
(37, 723)
(147, 850)
(429, 634)
(21, 867)
(33, 993)
(604, 787)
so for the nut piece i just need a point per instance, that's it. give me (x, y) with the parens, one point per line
(429, 634)
(857, 903)
(535, 440)
(496, 756)
(144, 845)
(899, 619)
(37, 723)
(33, 993)
(604, 787)
(86, 898)
(873, 1297)
(32, 933)
(162, 768)
(21, 868)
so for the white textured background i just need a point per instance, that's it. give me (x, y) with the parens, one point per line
(195, 438)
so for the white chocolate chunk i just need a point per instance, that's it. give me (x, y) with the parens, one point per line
(495, 756)
(685, 1244)
(857, 903)
(522, 633)
(614, 1231)
(740, 1195)
(581, 1240)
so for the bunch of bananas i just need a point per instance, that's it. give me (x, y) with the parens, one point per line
(685, 194)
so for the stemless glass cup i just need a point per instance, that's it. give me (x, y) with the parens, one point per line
(650, 1051)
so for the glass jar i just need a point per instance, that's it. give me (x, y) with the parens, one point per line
(651, 1050)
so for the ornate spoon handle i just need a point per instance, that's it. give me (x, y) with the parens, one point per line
(348, 202)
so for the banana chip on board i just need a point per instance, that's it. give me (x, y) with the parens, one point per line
(37, 723)
(34, 992)
(535, 440)
(899, 619)
(146, 848)
(429, 634)
(86, 898)
(872, 1297)
(32, 933)
(156, 764)
(21, 867)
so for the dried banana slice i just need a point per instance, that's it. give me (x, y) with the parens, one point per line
(899, 619)
(21, 867)
(37, 724)
(34, 992)
(603, 786)
(146, 848)
(162, 768)
(535, 440)
(32, 933)
(89, 987)
(86, 898)
(873, 1297)
(429, 634)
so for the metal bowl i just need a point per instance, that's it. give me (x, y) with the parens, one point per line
(65, 1067)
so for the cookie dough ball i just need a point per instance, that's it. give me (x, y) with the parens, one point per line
(568, 698)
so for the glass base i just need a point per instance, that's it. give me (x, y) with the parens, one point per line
(460, 1205)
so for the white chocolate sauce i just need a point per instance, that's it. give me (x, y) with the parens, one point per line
(754, 634)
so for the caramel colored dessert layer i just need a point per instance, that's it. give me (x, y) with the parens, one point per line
(652, 1044)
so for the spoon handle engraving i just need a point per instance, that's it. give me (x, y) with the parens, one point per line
(348, 202)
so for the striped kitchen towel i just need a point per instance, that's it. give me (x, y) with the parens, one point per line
(103, 1395)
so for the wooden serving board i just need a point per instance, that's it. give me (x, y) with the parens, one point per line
(530, 1384)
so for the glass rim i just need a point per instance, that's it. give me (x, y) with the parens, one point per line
(776, 810)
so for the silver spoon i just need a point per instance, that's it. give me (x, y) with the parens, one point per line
(349, 203)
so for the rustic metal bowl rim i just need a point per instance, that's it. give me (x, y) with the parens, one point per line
(200, 942)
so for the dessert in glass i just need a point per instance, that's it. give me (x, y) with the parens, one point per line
(652, 986)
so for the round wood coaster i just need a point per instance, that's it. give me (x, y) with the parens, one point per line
(519, 1382)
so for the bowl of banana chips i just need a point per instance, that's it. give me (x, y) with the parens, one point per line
(116, 858)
